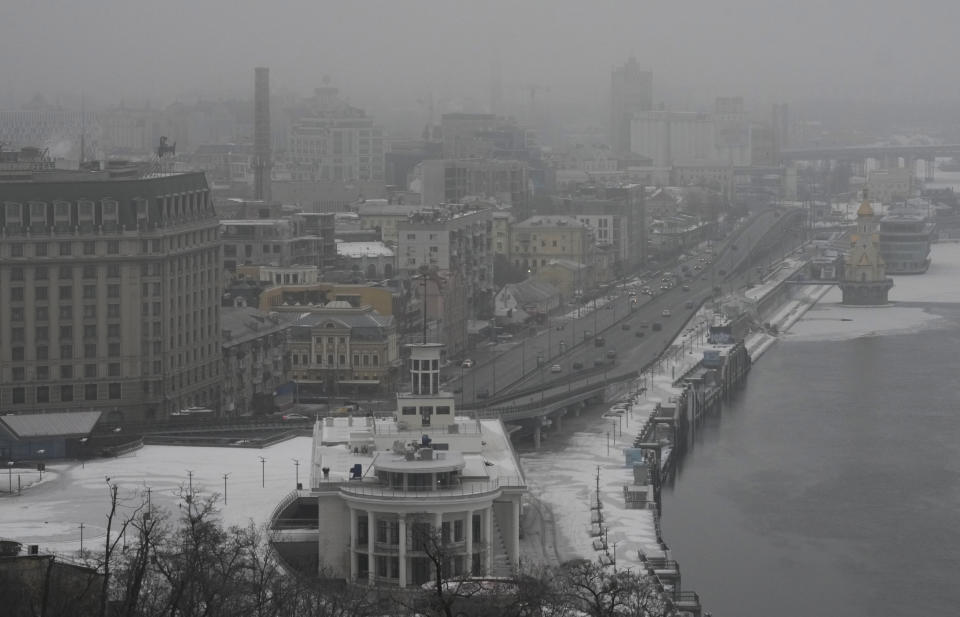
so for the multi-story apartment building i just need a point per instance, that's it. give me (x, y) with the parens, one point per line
(381, 216)
(374, 259)
(483, 136)
(453, 243)
(340, 350)
(502, 219)
(390, 492)
(631, 90)
(111, 283)
(452, 181)
(336, 141)
(538, 240)
(255, 361)
(269, 242)
(617, 215)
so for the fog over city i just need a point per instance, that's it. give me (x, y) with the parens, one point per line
(389, 54)
(469, 308)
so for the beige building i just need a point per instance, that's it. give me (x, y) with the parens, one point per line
(344, 351)
(255, 359)
(111, 283)
(539, 240)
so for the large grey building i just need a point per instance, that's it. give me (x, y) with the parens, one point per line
(111, 287)
(631, 90)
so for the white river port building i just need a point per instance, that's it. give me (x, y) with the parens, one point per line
(386, 494)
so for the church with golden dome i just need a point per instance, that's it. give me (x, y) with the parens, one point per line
(865, 281)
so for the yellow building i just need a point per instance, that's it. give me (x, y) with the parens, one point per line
(306, 298)
(539, 240)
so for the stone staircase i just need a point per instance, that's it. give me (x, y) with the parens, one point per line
(501, 566)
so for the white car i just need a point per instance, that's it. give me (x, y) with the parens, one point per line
(665, 313)
(555, 368)
(468, 363)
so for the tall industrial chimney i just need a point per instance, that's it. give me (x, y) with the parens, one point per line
(261, 134)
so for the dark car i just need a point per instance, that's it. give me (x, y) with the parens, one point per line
(638, 334)
(657, 326)
(577, 366)
(722, 272)
(689, 304)
(598, 361)
(611, 354)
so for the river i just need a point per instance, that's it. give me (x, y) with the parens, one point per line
(831, 484)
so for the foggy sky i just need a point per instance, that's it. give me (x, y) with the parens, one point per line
(393, 52)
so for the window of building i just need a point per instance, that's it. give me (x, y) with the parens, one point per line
(89, 272)
(40, 293)
(40, 273)
(43, 394)
(65, 311)
(66, 333)
(113, 291)
(113, 271)
(41, 334)
(66, 352)
(90, 350)
(16, 274)
(43, 352)
(19, 396)
(113, 311)
(443, 409)
(66, 292)
(90, 331)
(17, 335)
(89, 248)
(42, 313)
(66, 272)
(18, 373)
(90, 371)
(90, 392)
(40, 249)
(458, 530)
(66, 393)
(89, 311)
(43, 373)
(113, 350)
(113, 391)
(16, 294)
(113, 247)
(113, 330)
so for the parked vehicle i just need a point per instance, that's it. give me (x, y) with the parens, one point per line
(611, 353)
(555, 368)
(468, 363)
(577, 366)
(599, 341)
(657, 326)
(665, 312)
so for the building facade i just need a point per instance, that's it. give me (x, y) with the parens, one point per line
(269, 242)
(112, 289)
(905, 237)
(255, 360)
(631, 90)
(344, 351)
(395, 496)
(453, 181)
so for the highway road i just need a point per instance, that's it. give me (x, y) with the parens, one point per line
(618, 322)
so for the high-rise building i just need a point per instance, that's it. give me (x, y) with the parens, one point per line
(111, 282)
(631, 90)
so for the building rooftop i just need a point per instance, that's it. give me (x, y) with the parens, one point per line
(246, 323)
(363, 249)
(62, 424)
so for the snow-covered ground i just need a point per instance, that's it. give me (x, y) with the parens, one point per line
(50, 513)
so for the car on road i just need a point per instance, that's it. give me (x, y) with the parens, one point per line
(657, 327)
(294, 416)
(665, 313)
(599, 341)
(577, 366)
(625, 326)
(483, 393)
(688, 304)
(555, 368)
(722, 272)
(638, 334)
(611, 353)
(598, 361)
(644, 324)
(686, 288)
(468, 363)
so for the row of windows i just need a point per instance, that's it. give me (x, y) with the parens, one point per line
(42, 333)
(17, 354)
(367, 360)
(64, 312)
(66, 249)
(43, 273)
(64, 292)
(91, 392)
(65, 371)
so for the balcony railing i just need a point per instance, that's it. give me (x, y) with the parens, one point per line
(468, 488)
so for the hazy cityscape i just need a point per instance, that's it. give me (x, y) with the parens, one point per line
(447, 309)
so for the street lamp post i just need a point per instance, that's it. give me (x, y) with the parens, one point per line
(225, 476)
(263, 472)
(296, 464)
(10, 477)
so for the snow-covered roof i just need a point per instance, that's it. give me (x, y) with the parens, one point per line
(363, 249)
